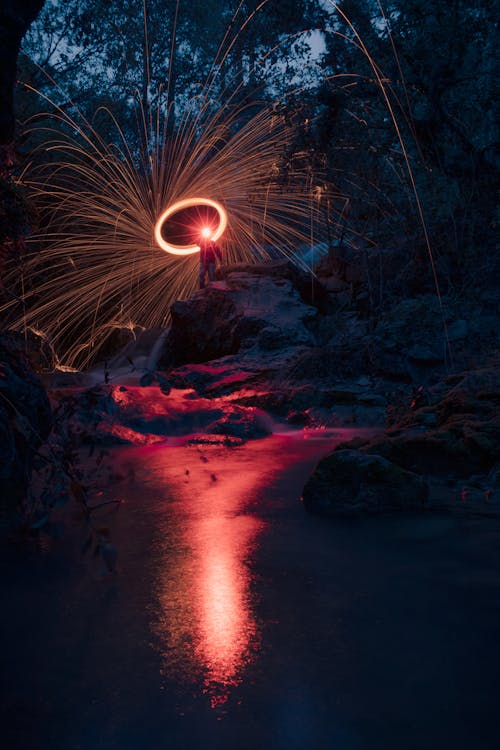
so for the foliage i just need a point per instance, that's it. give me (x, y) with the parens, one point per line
(399, 114)
(437, 63)
(55, 472)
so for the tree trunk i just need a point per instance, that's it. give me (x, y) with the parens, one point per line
(16, 16)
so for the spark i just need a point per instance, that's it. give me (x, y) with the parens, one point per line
(107, 260)
(206, 231)
(104, 260)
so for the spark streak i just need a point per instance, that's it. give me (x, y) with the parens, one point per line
(206, 231)
(102, 209)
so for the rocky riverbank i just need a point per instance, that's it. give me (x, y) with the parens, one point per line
(269, 344)
(309, 355)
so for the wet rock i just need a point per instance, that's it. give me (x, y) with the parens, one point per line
(300, 418)
(109, 415)
(215, 378)
(247, 424)
(352, 482)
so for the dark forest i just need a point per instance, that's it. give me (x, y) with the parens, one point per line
(249, 374)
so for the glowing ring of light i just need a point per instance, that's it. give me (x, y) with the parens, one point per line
(188, 203)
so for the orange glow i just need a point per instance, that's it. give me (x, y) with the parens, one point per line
(226, 627)
(207, 621)
(179, 206)
(206, 598)
(206, 232)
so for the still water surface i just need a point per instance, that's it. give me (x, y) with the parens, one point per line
(238, 621)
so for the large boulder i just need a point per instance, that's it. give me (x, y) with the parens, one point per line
(245, 311)
(25, 420)
(456, 433)
(310, 288)
(203, 328)
(451, 433)
(350, 482)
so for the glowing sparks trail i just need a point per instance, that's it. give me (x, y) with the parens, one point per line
(102, 267)
(205, 231)
(109, 258)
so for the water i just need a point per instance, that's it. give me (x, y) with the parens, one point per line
(239, 621)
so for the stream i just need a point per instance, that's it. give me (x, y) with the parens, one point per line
(237, 620)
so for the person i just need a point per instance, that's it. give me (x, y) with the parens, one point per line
(210, 252)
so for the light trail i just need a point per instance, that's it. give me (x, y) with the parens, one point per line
(105, 262)
(169, 247)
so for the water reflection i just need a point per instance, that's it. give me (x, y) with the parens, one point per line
(206, 623)
(226, 630)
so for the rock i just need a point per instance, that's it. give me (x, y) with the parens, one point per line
(215, 378)
(363, 381)
(203, 328)
(334, 285)
(427, 418)
(409, 334)
(109, 415)
(299, 418)
(456, 431)
(425, 355)
(334, 266)
(247, 424)
(245, 312)
(372, 399)
(350, 482)
(461, 449)
(309, 287)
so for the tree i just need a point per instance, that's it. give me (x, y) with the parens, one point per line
(449, 61)
(437, 68)
(16, 16)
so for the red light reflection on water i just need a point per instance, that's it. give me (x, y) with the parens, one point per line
(207, 619)
(206, 624)
(227, 631)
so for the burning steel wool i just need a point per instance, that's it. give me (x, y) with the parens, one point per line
(121, 215)
(121, 224)
(196, 228)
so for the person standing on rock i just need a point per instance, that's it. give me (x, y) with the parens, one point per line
(210, 252)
